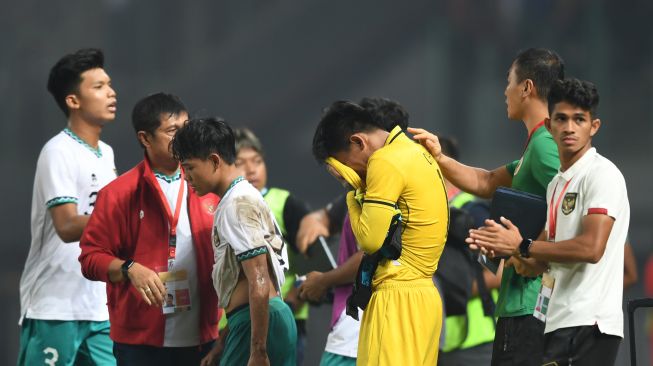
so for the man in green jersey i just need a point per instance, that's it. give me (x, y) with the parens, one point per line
(519, 336)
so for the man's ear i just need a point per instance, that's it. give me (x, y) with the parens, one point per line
(72, 101)
(358, 140)
(143, 138)
(216, 160)
(528, 89)
(596, 124)
(547, 124)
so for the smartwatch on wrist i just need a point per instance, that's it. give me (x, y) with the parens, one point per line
(524, 248)
(125, 268)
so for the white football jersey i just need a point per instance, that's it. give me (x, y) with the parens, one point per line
(52, 286)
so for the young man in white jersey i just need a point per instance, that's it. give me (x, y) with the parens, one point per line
(149, 239)
(248, 248)
(582, 246)
(64, 318)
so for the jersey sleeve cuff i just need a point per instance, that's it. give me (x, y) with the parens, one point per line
(251, 253)
(60, 201)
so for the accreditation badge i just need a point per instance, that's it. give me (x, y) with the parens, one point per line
(543, 297)
(177, 291)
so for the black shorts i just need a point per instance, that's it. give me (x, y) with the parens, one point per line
(584, 345)
(518, 341)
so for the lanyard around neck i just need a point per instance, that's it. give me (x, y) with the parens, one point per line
(553, 212)
(173, 218)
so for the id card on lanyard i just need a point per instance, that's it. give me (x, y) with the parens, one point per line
(176, 282)
(548, 281)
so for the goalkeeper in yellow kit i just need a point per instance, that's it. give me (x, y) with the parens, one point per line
(391, 174)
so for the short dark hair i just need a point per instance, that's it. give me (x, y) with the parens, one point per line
(66, 75)
(386, 112)
(449, 147)
(201, 137)
(543, 66)
(146, 115)
(339, 121)
(580, 93)
(246, 139)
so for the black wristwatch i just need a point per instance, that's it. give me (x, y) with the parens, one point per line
(525, 247)
(125, 268)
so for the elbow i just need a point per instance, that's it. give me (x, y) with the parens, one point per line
(67, 236)
(84, 262)
(594, 256)
(369, 241)
(369, 246)
(592, 260)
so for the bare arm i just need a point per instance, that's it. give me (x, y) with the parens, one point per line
(68, 224)
(492, 280)
(258, 281)
(317, 283)
(346, 273)
(212, 358)
(311, 226)
(587, 247)
(630, 266)
(477, 181)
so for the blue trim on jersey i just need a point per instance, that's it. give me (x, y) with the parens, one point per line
(95, 151)
(60, 201)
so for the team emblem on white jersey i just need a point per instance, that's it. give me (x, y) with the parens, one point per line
(569, 203)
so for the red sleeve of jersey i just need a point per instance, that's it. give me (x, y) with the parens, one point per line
(597, 211)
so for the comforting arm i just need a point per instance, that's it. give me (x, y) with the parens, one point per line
(477, 181)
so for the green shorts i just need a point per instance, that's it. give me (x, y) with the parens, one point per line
(332, 359)
(282, 336)
(62, 342)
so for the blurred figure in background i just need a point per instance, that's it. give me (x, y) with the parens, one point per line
(469, 290)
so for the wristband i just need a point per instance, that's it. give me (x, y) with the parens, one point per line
(124, 268)
(525, 247)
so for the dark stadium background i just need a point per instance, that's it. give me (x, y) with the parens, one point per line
(273, 65)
